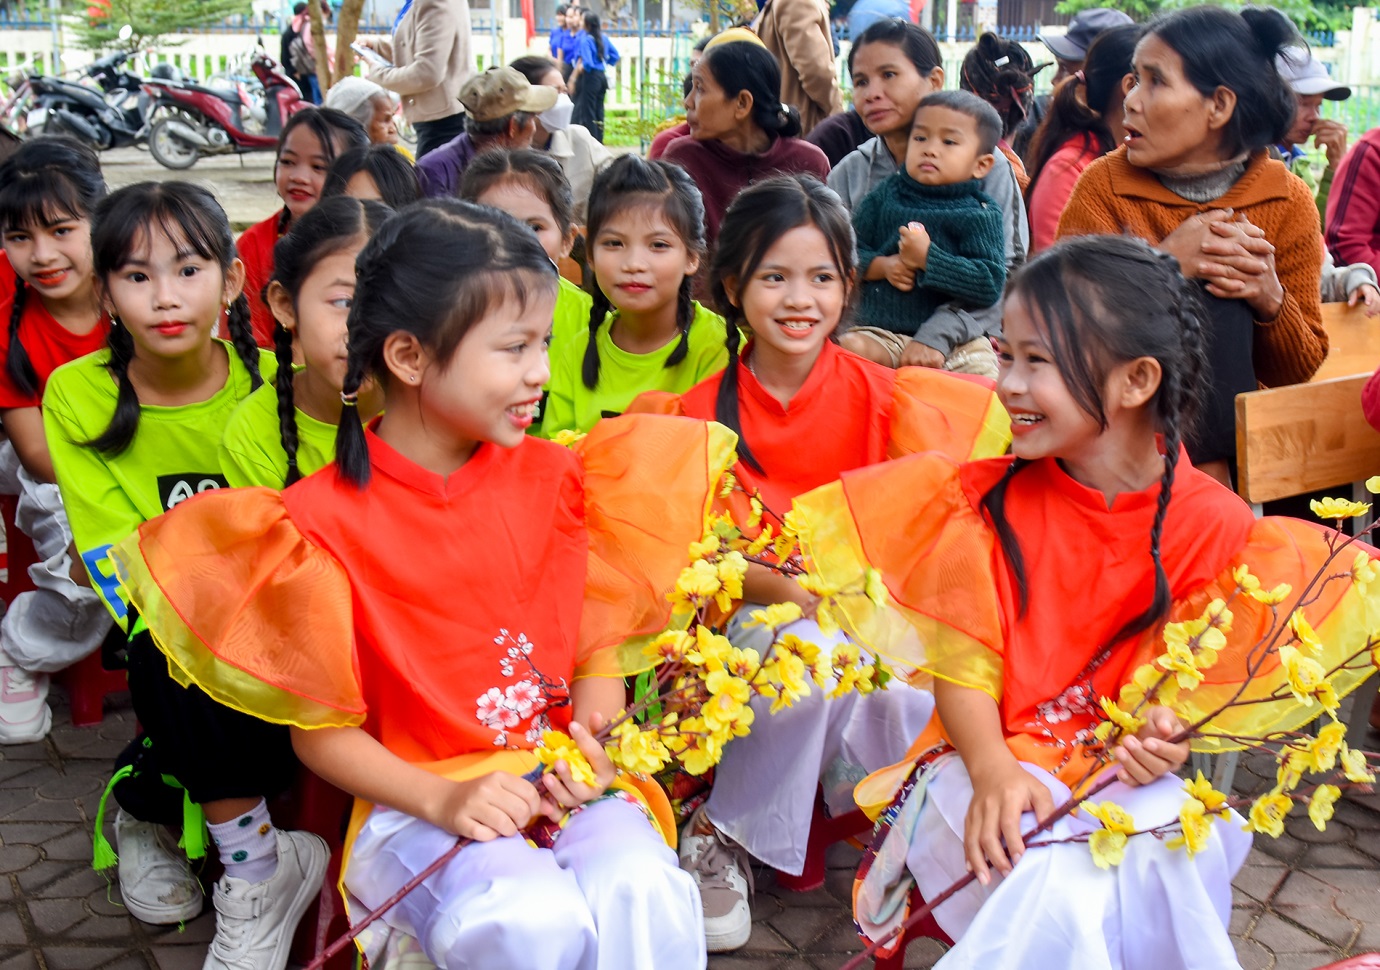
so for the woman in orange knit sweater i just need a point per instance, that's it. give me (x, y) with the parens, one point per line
(1194, 180)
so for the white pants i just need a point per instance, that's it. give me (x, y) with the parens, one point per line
(1158, 909)
(59, 622)
(764, 789)
(608, 896)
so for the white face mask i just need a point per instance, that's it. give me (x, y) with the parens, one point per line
(557, 117)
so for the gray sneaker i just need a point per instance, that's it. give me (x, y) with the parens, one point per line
(255, 920)
(720, 867)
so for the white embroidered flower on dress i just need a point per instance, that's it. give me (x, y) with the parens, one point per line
(522, 696)
(494, 710)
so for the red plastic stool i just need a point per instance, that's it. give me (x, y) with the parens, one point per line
(824, 832)
(1362, 961)
(927, 927)
(320, 808)
(85, 681)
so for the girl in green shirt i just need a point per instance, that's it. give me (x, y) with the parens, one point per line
(135, 430)
(645, 332)
(286, 430)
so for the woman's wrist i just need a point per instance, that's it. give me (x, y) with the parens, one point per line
(1268, 305)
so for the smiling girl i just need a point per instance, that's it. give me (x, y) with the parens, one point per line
(135, 430)
(48, 192)
(311, 140)
(1040, 582)
(556, 555)
(806, 412)
(646, 240)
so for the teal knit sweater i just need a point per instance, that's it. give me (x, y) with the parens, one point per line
(967, 259)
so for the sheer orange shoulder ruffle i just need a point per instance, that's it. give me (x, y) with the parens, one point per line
(246, 608)
(1343, 614)
(649, 483)
(910, 520)
(934, 410)
(656, 402)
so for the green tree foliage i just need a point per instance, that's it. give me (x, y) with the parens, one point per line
(1320, 15)
(95, 24)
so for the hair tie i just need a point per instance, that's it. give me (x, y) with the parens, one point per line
(1002, 61)
(1081, 79)
(350, 399)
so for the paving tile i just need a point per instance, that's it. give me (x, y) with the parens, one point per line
(80, 957)
(1242, 920)
(1322, 921)
(23, 960)
(1283, 937)
(14, 858)
(1305, 831)
(1364, 907)
(801, 927)
(1253, 955)
(1302, 961)
(1260, 882)
(11, 927)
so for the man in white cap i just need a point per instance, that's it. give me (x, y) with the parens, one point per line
(1070, 49)
(500, 112)
(1311, 84)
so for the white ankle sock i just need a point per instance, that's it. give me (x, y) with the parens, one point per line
(248, 845)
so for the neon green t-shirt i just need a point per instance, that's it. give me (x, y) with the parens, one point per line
(623, 376)
(572, 313)
(251, 453)
(175, 454)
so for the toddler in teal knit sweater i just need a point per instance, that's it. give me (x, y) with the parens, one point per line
(928, 236)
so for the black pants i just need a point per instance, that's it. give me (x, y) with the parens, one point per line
(433, 134)
(589, 102)
(1231, 371)
(213, 751)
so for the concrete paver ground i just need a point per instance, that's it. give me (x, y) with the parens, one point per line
(1300, 902)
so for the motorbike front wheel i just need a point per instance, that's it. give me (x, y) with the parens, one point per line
(168, 149)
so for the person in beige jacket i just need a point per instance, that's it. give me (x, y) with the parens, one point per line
(431, 61)
(797, 32)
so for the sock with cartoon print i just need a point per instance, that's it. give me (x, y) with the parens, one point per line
(248, 845)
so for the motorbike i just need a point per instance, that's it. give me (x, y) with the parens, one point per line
(107, 114)
(196, 120)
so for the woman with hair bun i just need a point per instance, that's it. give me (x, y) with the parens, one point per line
(1194, 179)
(740, 132)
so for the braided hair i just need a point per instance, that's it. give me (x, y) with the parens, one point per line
(434, 270)
(758, 218)
(329, 227)
(1000, 72)
(46, 182)
(1103, 301)
(633, 181)
(190, 215)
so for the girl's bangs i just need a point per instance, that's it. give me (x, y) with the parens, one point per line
(43, 198)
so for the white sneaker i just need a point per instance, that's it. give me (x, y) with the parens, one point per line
(255, 920)
(720, 868)
(157, 884)
(24, 712)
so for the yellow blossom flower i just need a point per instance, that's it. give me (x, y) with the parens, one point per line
(1292, 764)
(1180, 661)
(568, 437)
(804, 649)
(1127, 723)
(697, 582)
(1268, 814)
(1246, 582)
(824, 617)
(1373, 485)
(705, 548)
(1217, 615)
(1326, 746)
(1320, 806)
(775, 616)
(1201, 789)
(1307, 679)
(1363, 571)
(1113, 817)
(785, 541)
(811, 583)
(875, 588)
(1307, 640)
(1196, 826)
(785, 673)
(1354, 766)
(559, 746)
(639, 751)
(722, 682)
(669, 645)
(1142, 682)
(757, 546)
(743, 662)
(726, 716)
(755, 513)
(696, 747)
(1338, 508)
(1108, 848)
(730, 482)
(710, 650)
(1272, 597)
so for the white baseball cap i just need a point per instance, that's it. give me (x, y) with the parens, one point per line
(1308, 76)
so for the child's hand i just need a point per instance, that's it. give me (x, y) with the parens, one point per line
(1149, 754)
(489, 806)
(915, 246)
(1368, 295)
(898, 274)
(917, 354)
(1001, 793)
(561, 791)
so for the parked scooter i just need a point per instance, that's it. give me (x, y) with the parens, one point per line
(197, 120)
(110, 114)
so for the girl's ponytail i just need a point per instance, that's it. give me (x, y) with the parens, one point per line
(287, 408)
(351, 445)
(242, 338)
(726, 410)
(598, 311)
(17, 364)
(685, 315)
(119, 434)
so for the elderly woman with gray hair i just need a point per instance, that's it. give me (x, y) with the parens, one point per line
(369, 104)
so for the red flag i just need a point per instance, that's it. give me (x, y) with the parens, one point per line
(529, 15)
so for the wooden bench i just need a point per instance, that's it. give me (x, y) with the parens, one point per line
(1354, 342)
